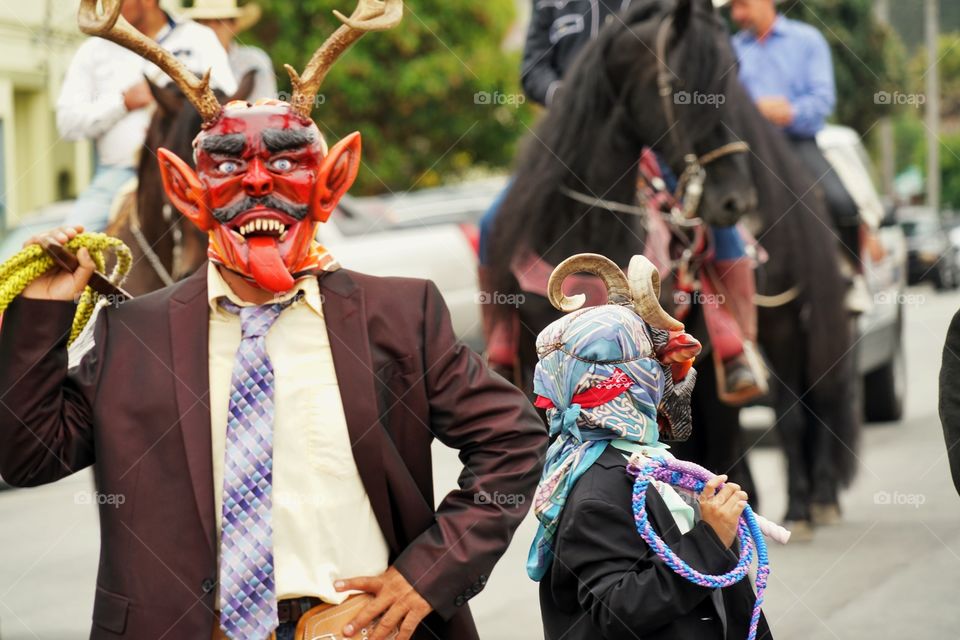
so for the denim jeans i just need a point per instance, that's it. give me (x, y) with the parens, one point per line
(285, 631)
(92, 207)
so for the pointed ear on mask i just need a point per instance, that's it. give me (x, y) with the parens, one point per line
(337, 172)
(182, 186)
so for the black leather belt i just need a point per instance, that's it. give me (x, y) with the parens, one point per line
(291, 609)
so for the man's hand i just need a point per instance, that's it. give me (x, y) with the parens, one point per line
(777, 110)
(404, 607)
(722, 511)
(57, 284)
(137, 96)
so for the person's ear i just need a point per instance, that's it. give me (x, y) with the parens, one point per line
(182, 186)
(337, 172)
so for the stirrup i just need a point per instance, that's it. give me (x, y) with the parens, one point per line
(747, 394)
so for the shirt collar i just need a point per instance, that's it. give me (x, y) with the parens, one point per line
(779, 26)
(218, 288)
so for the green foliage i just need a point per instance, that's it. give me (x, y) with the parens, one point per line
(950, 171)
(867, 56)
(410, 91)
(948, 60)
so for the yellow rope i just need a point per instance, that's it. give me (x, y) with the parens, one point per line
(32, 262)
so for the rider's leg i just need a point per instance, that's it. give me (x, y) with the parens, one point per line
(843, 208)
(92, 207)
(732, 317)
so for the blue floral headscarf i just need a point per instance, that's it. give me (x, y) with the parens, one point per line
(577, 352)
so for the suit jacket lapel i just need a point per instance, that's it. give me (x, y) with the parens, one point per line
(346, 320)
(189, 334)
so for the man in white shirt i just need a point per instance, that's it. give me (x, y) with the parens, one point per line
(227, 21)
(105, 97)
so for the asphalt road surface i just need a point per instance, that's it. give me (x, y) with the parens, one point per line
(891, 569)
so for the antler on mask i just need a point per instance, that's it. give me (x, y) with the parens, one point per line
(111, 26)
(370, 15)
(641, 289)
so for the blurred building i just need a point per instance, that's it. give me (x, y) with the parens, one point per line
(37, 40)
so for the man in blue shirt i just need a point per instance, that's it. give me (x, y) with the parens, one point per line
(786, 67)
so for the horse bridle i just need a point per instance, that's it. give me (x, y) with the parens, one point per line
(690, 183)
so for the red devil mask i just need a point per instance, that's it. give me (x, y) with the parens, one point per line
(264, 177)
(263, 182)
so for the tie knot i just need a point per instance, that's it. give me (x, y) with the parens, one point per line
(255, 321)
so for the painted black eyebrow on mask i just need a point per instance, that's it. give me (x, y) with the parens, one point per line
(229, 144)
(284, 139)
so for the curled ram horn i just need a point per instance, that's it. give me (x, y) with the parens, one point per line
(618, 287)
(644, 280)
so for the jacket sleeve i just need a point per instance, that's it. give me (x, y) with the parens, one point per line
(501, 442)
(46, 412)
(950, 398)
(538, 76)
(623, 586)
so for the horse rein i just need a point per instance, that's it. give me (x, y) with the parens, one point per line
(691, 181)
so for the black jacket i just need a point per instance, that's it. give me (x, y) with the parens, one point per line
(605, 582)
(558, 30)
(950, 398)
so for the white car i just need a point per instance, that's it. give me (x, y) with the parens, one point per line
(880, 349)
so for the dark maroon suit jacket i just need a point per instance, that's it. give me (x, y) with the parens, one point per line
(136, 408)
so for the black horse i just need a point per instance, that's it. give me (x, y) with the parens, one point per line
(619, 97)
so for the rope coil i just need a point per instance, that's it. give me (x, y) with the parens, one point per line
(693, 478)
(32, 262)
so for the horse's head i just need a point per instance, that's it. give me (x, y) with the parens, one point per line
(671, 69)
(263, 176)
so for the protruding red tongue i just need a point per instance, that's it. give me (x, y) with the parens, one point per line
(266, 264)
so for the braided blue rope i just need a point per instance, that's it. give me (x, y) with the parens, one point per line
(693, 477)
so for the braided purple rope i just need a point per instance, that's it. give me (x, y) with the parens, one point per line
(693, 477)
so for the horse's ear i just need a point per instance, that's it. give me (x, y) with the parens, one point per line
(682, 16)
(182, 186)
(244, 87)
(168, 98)
(337, 172)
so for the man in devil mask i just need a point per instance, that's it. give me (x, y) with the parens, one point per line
(269, 419)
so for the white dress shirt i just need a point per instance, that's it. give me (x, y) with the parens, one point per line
(324, 528)
(91, 97)
(244, 59)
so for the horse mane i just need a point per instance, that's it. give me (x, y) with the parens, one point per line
(587, 142)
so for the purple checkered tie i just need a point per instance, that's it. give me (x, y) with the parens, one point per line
(248, 599)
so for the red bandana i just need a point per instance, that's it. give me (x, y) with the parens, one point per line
(600, 393)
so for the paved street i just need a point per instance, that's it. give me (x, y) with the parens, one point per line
(890, 570)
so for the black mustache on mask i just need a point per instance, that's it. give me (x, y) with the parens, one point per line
(295, 211)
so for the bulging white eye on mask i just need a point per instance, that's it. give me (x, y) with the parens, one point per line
(228, 166)
(281, 164)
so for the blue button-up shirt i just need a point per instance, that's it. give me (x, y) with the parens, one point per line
(793, 62)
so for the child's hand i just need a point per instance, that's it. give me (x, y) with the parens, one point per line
(722, 511)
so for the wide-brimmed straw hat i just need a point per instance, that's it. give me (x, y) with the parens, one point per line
(246, 16)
